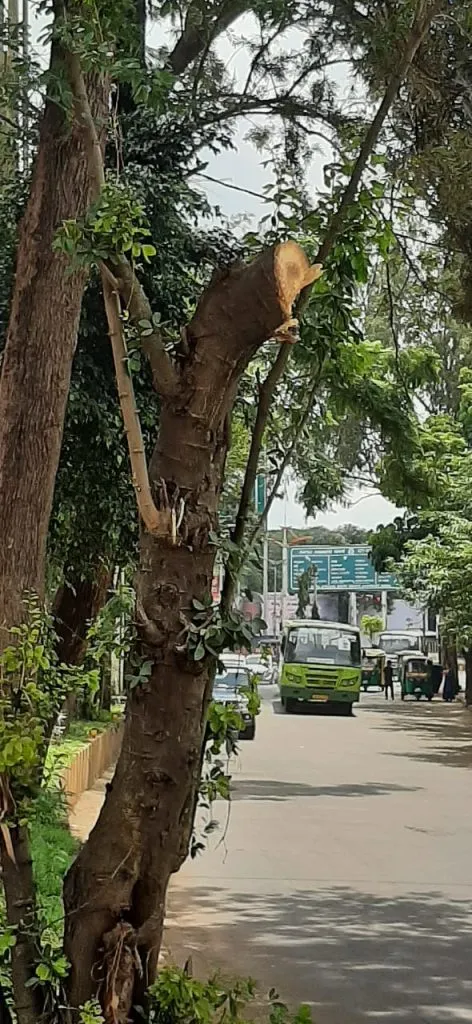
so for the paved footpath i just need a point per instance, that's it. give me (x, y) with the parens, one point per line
(343, 876)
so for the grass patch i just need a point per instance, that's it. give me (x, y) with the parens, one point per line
(79, 734)
(53, 849)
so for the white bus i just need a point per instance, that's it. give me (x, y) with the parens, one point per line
(396, 640)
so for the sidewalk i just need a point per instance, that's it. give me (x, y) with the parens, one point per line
(83, 816)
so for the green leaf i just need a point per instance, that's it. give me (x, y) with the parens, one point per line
(43, 972)
(148, 251)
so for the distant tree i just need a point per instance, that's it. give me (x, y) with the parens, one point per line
(372, 625)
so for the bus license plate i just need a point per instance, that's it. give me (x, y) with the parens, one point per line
(319, 699)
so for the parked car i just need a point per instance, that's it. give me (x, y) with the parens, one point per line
(227, 690)
(257, 667)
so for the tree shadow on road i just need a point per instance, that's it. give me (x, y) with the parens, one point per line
(274, 789)
(356, 957)
(444, 731)
(316, 709)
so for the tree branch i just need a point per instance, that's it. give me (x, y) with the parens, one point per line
(263, 408)
(157, 522)
(266, 394)
(287, 457)
(424, 15)
(84, 117)
(197, 31)
(164, 374)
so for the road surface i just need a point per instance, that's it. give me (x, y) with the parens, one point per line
(345, 875)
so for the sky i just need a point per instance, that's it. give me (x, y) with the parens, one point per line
(364, 508)
(243, 168)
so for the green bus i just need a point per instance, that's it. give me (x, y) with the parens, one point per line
(321, 663)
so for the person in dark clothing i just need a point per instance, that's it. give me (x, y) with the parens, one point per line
(449, 685)
(388, 680)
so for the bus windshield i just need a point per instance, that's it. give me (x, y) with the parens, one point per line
(394, 644)
(313, 643)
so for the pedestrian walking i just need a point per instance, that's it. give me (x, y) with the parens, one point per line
(388, 680)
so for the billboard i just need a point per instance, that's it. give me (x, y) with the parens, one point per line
(338, 568)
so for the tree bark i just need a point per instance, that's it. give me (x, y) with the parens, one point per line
(105, 686)
(42, 334)
(451, 662)
(468, 678)
(19, 890)
(199, 33)
(142, 835)
(34, 385)
(76, 603)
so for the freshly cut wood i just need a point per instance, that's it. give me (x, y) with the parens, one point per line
(293, 272)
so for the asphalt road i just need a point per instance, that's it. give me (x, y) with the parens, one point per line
(344, 876)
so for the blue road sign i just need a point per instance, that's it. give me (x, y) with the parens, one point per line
(346, 568)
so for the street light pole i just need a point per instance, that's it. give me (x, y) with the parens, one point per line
(265, 575)
(275, 600)
(384, 608)
(284, 595)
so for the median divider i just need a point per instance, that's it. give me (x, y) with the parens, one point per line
(91, 763)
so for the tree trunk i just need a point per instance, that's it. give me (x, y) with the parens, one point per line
(20, 907)
(105, 685)
(76, 604)
(144, 829)
(37, 360)
(451, 662)
(468, 678)
(115, 891)
(34, 385)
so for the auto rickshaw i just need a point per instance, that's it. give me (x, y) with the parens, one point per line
(373, 664)
(415, 675)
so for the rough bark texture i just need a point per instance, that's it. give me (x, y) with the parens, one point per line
(142, 835)
(451, 662)
(19, 897)
(34, 386)
(468, 678)
(42, 334)
(76, 603)
(199, 33)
